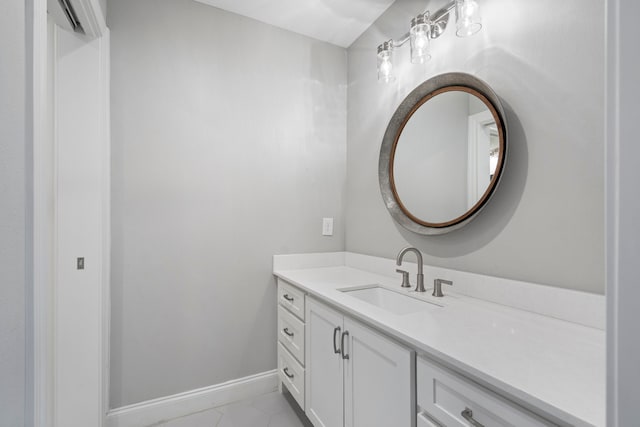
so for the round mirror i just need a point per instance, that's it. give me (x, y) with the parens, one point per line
(443, 154)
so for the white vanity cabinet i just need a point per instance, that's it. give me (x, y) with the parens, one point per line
(291, 332)
(466, 362)
(355, 377)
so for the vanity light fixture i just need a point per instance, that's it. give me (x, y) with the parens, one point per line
(385, 62)
(424, 28)
(419, 36)
(467, 18)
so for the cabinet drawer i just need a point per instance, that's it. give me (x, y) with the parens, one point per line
(291, 374)
(445, 395)
(291, 298)
(291, 333)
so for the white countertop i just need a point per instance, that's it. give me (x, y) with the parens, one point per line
(553, 365)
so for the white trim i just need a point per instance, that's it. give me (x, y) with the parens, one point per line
(88, 12)
(94, 22)
(69, 367)
(612, 186)
(53, 129)
(44, 221)
(156, 411)
(105, 79)
(43, 226)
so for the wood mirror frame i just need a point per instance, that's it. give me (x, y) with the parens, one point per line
(437, 85)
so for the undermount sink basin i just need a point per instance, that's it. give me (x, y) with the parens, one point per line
(386, 299)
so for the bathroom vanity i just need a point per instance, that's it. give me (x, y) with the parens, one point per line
(356, 349)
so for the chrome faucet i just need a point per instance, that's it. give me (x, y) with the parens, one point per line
(437, 287)
(420, 284)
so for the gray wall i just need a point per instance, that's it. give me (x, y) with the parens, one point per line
(229, 146)
(13, 194)
(545, 59)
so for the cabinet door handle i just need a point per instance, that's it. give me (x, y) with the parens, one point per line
(344, 352)
(286, 331)
(336, 331)
(467, 414)
(286, 372)
(287, 297)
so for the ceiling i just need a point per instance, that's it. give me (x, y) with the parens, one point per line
(339, 22)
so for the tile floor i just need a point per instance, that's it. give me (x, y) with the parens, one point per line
(268, 410)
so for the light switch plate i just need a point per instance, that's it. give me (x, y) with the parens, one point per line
(327, 226)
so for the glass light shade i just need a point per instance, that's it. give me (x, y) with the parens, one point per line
(468, 21)
(385, 63)
(419, 37)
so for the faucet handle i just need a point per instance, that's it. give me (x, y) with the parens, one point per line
(437, 287)
(405, 278)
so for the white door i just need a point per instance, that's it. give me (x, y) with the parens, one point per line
(378, 380)
(324, 367)
(79, 76)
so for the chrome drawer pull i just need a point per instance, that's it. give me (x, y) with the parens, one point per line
(467, 414)
(286, 331)
(287, 297)
(286, 372)
(336, 331)
(344, 352)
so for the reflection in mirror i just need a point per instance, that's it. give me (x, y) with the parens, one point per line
(483, 153)
(443, 154)
(443, 158)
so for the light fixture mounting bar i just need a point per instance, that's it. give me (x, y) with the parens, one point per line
(439, 20)
(443, 11)
(405, 38)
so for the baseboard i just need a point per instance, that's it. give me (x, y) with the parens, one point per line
(165, 408)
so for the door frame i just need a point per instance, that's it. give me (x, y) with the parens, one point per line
(44, 196)
(43, 223)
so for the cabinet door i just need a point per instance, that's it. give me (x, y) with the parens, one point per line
(379, 380)
(324, 367)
